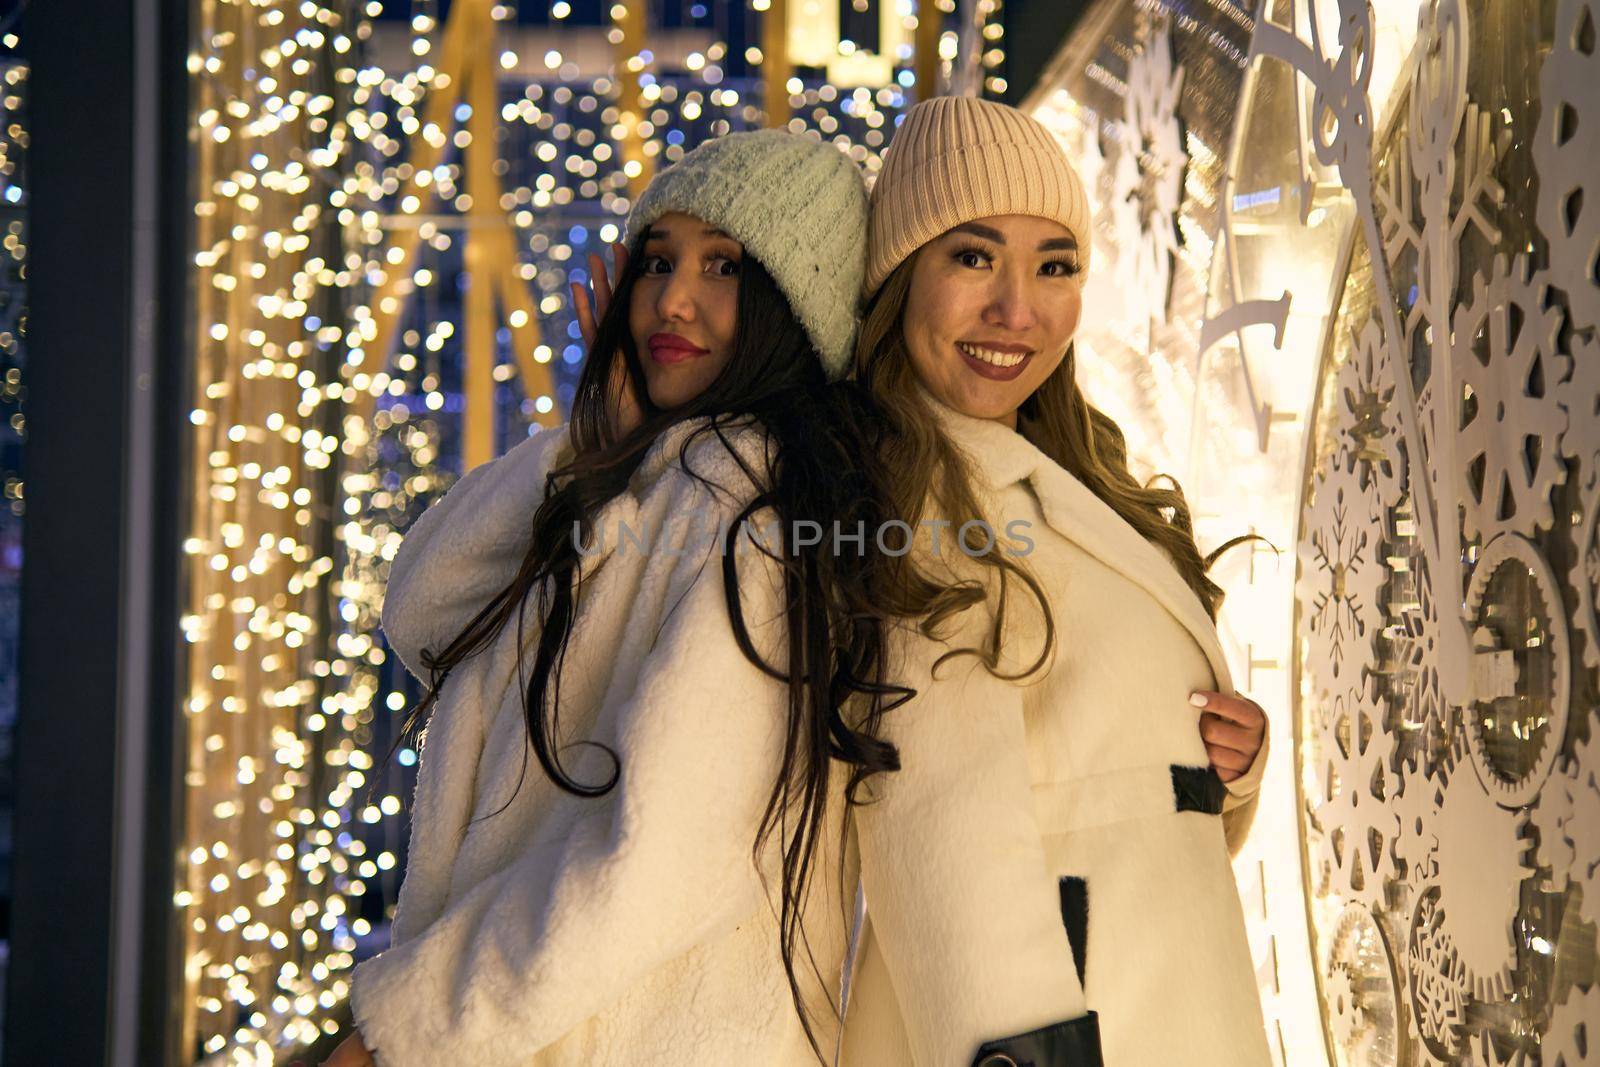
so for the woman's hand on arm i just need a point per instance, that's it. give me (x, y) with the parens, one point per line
(1234, 729)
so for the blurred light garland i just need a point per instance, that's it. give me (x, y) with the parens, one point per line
(13, 360)
(330, 198)
(14, 268)
(280, 668)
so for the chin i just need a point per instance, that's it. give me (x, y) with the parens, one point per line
(982, 398)
(671, 394)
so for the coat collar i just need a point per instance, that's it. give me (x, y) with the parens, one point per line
(669, 444)
(1001, 457)
(666, 448)
(664, 452)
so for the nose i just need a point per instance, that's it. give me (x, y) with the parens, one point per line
(1010, 305)
(675, 300)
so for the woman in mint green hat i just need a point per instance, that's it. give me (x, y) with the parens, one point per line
(645, 893)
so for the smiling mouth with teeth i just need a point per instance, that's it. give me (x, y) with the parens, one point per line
(989, 355)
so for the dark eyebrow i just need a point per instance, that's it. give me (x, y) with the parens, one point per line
(977, 229)
(989, 233)
(656, 233)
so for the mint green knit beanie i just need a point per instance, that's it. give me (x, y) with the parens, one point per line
(796, 204)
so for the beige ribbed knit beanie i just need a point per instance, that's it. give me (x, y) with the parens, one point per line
(956, 159)
(795, 203)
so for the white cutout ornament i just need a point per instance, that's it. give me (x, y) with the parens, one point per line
(1515, 654)
(1341, 577)
(1567, 819)
(1366, 434)
(1573, 1036)
(1355, 779)
(1505, 352)
(1463, 859)
(1436, 982)
(1147, 179)
(1566, 146)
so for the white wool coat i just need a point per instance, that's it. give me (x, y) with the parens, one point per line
(629, 929)
(634, 929)
(1023, 809)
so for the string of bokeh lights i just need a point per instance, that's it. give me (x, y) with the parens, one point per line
(14, 264)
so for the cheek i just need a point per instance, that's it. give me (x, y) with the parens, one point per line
(641, 313)
(721, 311)
(934, 310)
(928, 296)
(1065, 315)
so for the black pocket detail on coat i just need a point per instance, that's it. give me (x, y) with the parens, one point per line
(1075, 914)
(1071, 1043)
(1198, 789)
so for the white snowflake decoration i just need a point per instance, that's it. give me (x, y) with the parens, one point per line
(1147, 179)
(1367, 436)
(1436, 981)
(1341, 577)
(1463, 859)
(1355, 756)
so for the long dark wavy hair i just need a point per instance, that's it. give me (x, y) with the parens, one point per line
(818, 433)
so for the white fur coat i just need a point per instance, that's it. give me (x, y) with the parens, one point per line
(1021, 809)
(629, 929)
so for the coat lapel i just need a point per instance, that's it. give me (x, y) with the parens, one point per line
(1002, 457)
(1086, 520)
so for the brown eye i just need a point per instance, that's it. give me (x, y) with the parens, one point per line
(655, 264)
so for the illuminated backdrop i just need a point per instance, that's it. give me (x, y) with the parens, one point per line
(1352, 270)
(1347, 298)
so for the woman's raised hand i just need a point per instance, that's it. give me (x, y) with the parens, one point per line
(352, 1052)
(623, 408)
(590, 310)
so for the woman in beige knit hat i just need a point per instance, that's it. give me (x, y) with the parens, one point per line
(1048, 874)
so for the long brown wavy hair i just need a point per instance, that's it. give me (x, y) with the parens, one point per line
(836, 603)
(924, 466)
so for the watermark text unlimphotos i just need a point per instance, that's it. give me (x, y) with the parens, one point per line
(894, 537)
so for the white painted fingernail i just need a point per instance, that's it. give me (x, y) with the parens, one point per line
(1199, 700)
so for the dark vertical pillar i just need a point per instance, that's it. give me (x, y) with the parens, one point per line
(92, 956)
(1034, 32)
